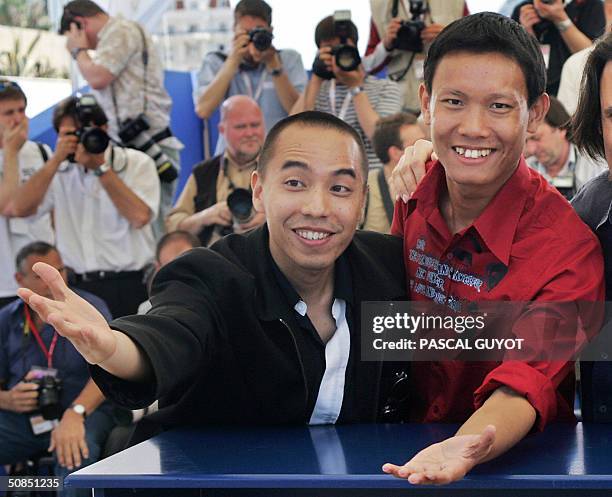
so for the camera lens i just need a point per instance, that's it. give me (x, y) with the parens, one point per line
(49, 397)
(240, 203)
(347, 58)
(95, 140)
(261, 38)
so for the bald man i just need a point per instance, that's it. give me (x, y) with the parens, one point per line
(202, 208)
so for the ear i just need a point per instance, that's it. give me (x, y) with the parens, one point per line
(394, 154)
(19, 279)
(537, 112)
(221, 128)
(257, 188)
(425, 99)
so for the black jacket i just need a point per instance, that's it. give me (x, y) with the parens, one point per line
(220, 337)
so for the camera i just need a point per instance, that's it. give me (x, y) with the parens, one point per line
(346, 56)
(409, 34)
(261, 38)
(543, 28)
(134, 134)
(49, 389)
(88, 113)
(240, 204)
(67, 19)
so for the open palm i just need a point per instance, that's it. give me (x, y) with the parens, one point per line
(446, 461)
(72, 316)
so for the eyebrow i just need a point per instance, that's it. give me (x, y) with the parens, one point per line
(345, 171)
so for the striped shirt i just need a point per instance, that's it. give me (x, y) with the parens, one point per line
(384, 96)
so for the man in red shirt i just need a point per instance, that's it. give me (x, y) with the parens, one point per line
(481, 213)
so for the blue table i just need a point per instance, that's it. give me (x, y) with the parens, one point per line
(566, 459)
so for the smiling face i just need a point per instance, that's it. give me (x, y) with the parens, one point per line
(312, 192)
(479, 118)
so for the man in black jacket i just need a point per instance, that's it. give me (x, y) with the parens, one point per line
(262, 328)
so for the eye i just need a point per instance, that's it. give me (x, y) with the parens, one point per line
(294, 183)
(452, 101)
(341, 189)
(500, 106)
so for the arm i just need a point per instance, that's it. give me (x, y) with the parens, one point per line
(574, 38)
(285, 91)
(12, 141)
(502, 421)
(68, 438)
(81, 323)
(308, 99)
(96, 75)
(125, 200)
(215, 91)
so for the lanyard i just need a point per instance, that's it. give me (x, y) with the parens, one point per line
(249, 87)
(29, 325)
(332, 101)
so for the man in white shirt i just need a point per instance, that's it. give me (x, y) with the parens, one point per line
(19, 159)
(104, 205)
(549, 152)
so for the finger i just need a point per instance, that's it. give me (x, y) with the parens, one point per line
(59, 453)
(84, 448)
(51, 447)
(53, 280)
(75, 455)
(42, 306)
(68, 460)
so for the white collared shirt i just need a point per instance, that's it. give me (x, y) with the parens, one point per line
(17, 232)
(91, 233)
(337, 350)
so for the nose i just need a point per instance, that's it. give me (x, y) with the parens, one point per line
(317, 203)
(474, 123)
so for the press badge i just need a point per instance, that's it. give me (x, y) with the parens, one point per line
(419, 68)
(545, 53)
(40, 372)
(41, 425)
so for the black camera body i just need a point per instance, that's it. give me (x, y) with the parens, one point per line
(409, 34)
(261, 38)
(544, 27)
(94, 139)
(134, 133)
(346, 56)
(49, 389)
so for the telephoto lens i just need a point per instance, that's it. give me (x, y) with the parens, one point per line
(240, 204)
(261, 38)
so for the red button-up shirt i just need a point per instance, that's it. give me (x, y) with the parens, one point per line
(527, 245)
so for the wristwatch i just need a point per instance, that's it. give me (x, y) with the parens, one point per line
(79, 409)
(76, 51)
(104, 168)
(564, 25)
(276, 72)
(356, 90)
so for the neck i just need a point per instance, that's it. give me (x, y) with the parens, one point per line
(239, 161)
(461, 205)
(555, 168)
(316, 287)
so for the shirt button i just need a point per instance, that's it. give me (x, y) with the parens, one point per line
(301, 307)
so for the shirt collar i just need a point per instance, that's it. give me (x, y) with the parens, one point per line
(498, 236)
(111, 20)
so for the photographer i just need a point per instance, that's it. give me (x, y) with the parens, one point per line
(19, 159)
(400, 33)
(254, 67)
(104, 198)
(202, 208)
(561, 30)
(68, 417)
(126, 75)
(339, 84)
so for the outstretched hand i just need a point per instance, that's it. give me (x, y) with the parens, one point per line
(71, 316)
(446, 461)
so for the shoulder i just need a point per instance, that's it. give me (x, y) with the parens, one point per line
(290, 55)
(379, 249)
(135, 158)
(214, 59)
(6, 314)
(593, 200)
(206, 165)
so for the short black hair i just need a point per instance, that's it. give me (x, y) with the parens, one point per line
(488, 32)
(585, 127)
(81, 8)
(33, 248)
(387, 134)
(168, 238)
(313, 119)
(67, 107)
(557, 116)
(253, 8)
(325, 31)
(9, 90)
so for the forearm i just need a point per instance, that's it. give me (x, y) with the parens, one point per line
(311, 92)
(90, 397)
(127, 362)
(575, 39)
(9, 182)
(215, 92)
(194, 223)
(366, 115)
(4, 400)
(31, 193)
(285, 91)
(125, 200)
(96, 75)
(511, 414)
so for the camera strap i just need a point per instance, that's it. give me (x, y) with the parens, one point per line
(29, 325)
(249, 86)
(332, 101)
(230, 183)
(145, 63)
